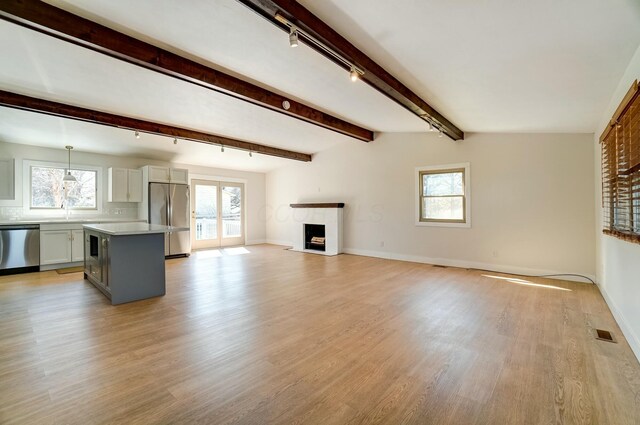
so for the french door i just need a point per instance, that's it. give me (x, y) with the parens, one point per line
(217, 214)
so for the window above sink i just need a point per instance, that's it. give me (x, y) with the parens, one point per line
(45, 192)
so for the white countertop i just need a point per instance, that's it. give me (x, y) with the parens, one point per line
(135, 228)
(70, 221)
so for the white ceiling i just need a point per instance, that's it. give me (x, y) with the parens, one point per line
(27, 128)
(498, 65)
(489, 65)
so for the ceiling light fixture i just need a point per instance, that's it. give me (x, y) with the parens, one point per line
(353, 74)
(175, 140)
(68, 178)
(293, 37)
(137, 135)
(441, 133)
(250, 154)
(222, 148)
(294, 32)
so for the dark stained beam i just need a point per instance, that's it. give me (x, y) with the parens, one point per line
(53, 21)
(47, 107)
(374, 74)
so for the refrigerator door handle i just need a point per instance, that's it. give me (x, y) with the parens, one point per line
(169, 207)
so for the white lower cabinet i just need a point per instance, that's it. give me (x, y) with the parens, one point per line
(55, 246)
(60, 246)
(77, 245)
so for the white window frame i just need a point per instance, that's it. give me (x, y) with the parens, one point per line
(26, 186)
(467, 194)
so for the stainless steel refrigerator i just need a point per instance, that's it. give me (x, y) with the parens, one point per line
(169, 205)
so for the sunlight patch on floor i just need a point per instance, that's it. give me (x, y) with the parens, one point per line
(526, 282)
(209, 253)
(219, 252)
(240, 250)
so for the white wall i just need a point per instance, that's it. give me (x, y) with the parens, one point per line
(255, 183)
(617, 261)
(532, 199)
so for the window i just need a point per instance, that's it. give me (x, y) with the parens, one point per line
(443, 196)
(621, 170)
(49, 192)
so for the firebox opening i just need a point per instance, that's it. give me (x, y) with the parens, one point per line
(314, 237)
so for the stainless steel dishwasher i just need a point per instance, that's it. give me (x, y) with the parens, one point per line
(19, 248)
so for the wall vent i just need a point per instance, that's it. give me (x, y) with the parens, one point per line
(603, 335)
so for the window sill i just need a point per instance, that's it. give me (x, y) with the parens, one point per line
(466, 225)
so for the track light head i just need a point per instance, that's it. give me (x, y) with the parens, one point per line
(250, 154)
(431, 127)
(175, 140)
(441, 133)
(137, 135)
(293, 37)
(222, 148)
(354, 74)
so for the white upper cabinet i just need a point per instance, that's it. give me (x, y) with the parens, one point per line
(117, 185)
(159, 174)
(134, 184)
(167, 175)
(124, 185)
(179, 175)
(7, 176)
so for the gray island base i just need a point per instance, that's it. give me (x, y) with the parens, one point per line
(125, 261)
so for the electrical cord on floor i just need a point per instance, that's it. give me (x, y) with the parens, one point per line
(537, 275)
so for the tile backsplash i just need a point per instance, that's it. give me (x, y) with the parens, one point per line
(17, 213)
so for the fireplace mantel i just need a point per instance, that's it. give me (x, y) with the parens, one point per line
(319, 205)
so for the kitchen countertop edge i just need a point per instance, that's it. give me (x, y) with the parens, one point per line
(132, 228)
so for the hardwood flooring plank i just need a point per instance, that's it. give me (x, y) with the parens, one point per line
(274, 336)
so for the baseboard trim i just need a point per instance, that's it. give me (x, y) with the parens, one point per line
(629, 334)
(47, 267)
(281, 243)
(256, 242)
(501, 268)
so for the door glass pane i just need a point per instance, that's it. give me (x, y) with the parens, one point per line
(206, 212)
(231, 211)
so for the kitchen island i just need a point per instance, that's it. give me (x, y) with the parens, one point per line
(125, 261)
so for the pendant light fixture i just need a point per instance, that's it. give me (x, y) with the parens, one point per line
(68, 178)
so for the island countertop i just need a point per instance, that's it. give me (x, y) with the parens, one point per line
(135, 228)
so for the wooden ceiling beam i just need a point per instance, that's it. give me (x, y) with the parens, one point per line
(56, 22)
(374, 74)
(47, 107)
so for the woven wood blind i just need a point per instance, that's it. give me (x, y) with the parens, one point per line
(621, 170)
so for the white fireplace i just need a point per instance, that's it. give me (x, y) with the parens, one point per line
(318, 228)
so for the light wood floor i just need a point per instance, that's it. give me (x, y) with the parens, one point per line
(273, 336)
